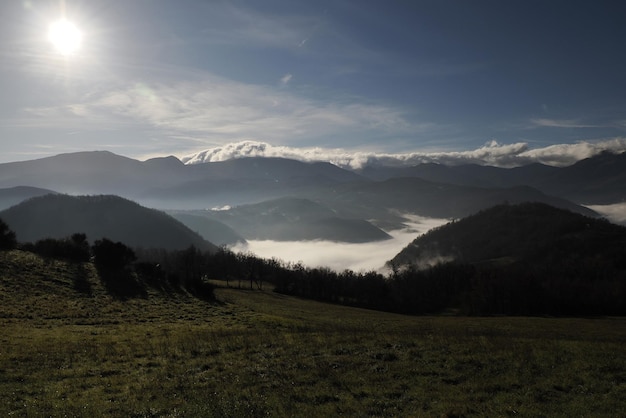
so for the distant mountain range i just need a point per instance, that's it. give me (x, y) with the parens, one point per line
(597, 180)
(277, 198)
(112, 217)
(294, 219)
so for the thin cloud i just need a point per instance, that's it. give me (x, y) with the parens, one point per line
(285, 79)
(220, 110)
(235, 25)
(560, 123)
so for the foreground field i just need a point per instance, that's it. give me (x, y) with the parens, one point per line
(68, 349)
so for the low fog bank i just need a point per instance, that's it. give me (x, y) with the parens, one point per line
(340, 256)
(615, 213)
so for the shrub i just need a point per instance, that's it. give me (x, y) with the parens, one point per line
(74, 248)
(113, 261)
(8, 240)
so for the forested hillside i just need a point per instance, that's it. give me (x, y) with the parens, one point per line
(527, 259)
(59, 216)
(518, 259)
(530, 232)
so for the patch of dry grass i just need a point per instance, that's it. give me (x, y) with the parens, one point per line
(69, 352)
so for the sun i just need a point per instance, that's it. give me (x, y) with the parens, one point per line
(65, 37)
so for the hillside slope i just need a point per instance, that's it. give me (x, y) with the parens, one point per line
(67, 353)
(118, 219)
(294, 219)
(13, 195)
(528, 231)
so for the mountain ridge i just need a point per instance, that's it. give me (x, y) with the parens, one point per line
(432, 190)
(295, 219)
(517, 232)
(103, 216)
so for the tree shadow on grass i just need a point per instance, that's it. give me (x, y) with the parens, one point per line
(81, 280)
(122, 284)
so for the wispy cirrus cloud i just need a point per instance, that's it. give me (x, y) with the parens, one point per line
(561, 123)
(236, 25)
(228, 119)
(216, 111)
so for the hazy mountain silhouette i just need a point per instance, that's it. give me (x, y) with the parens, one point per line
(168, 183)
(118, 219)
(600, 179)
(14, 195)
(210, 229)
(427, 189)
(466, 174)
(294, 219)
(247, 180)
(528, 232)
(414, 195)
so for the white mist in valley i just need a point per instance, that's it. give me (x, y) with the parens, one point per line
(340, 256)
(615, 213)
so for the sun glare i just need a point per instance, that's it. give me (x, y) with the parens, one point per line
(65, 37)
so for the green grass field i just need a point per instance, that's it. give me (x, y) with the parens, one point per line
(69, 349)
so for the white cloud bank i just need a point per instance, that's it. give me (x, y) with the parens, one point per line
(492, 153)
(340, 256)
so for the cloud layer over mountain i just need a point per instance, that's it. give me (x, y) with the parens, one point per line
(492, 153)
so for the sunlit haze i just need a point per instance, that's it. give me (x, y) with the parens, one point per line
(65, 37)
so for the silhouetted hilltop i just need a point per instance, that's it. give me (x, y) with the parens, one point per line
(530, 232)
(58, 216)
(13, 195)
(516, 259)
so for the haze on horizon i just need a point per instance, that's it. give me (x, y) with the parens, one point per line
(346, 81)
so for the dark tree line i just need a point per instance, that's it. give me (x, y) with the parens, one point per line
(556, 282)
(562, 288)
(73, 248)
(8, 240)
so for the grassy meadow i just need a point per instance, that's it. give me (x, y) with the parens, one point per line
(68, 349)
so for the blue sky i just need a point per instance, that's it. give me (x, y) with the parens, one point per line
(342, 78)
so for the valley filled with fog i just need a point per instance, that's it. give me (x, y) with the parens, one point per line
(615, 213)
(339, 256)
